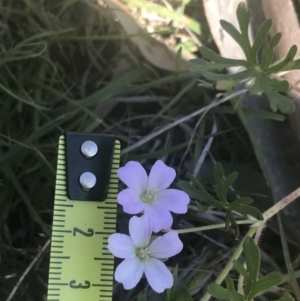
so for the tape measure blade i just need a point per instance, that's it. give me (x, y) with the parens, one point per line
(81, 267)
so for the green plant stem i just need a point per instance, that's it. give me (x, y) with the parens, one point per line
(267, 215)
(229, 264)
(278, 206)
(216, 226)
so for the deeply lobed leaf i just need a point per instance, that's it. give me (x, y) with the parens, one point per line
(259, 38)
(259, 74)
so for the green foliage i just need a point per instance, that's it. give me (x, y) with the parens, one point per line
(177, 294)
(260, 73)
(253, 285)
(205, 201)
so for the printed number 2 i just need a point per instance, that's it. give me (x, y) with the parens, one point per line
(86, 284)
(89, 232)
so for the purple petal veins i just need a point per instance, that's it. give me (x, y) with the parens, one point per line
(161, 176)
(134, 176)
(173, 200)
(130, 201)
(121, 245)
(129, 272)
(166, 246)
(158, 275)
(140, 231)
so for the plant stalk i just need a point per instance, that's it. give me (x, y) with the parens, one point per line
(267, 215)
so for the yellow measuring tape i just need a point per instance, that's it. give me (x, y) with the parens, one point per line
(81, 267)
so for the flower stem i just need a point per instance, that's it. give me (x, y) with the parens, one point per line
(211, 227)
(278, 206)
(254, 227)
(229, 264)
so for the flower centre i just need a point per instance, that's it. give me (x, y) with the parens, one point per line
(148, 197)
(143, 254)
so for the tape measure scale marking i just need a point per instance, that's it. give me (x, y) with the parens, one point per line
(81, 267)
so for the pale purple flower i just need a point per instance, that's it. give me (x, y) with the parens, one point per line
(141, 256)
(149, 194)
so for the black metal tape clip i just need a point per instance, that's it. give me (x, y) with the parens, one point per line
(89, 159)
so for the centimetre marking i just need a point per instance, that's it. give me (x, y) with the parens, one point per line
(109, 211)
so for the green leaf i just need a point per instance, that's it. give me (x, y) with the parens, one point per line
(282, 65)
(240, 269)
(245, 74)
(283, 103)
(218, 176)
(192, 191)
(218, 172)
(260, 36)
(246, 209)
(267, 56)
(263, 83)
(230, 287)
(219, 292)
(223, 184)
(242, 201)
(198, 194)
(229, 181)
(216, 58)
(201, 64)
(268, 50)
(206, 195)
(258, 85)
(252, 258)
(233, 32)
(243, 16)
(296, 65)
(274, 41)
(266, 282)
(278, 86)
(276, 100)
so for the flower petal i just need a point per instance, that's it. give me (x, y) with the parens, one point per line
(140, 231)
(166, 246)
(129, 272)
(121, 245)
(158, 275)
(159, 218)
(134, 176)
(173, 200)
(161, 176)
(130, 201)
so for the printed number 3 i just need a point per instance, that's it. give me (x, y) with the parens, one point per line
(89, 232)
